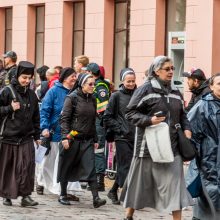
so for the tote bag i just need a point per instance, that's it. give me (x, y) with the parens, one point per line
(159, 144)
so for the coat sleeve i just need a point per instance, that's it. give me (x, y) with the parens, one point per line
(46, 110)
(36, 121)
(135, 109)
(66, 117)
(5, 102)
(109, 116)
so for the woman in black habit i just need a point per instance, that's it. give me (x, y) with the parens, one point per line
(77, 158)
(20, 127)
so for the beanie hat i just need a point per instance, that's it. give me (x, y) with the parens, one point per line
(83, 77)
(102, 71)
(65, 72)
(25, 67)
(125, 72)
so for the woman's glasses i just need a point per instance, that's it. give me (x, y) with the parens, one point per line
(90, 84)
(169, 68)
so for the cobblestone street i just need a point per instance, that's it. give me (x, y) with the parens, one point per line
(50, 209)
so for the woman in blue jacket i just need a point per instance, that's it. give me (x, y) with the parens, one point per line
(49, 122)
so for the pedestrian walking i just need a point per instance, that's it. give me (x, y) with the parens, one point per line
(151, 184)
(77, 158)
(114, 119)
(205, 123)
(20, 126)
(49, 121)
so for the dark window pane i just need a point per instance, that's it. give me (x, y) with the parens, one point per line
(39, 49)
(78, 43)
(78, 16)
(121, 16)
(40, 19)
(8, 19)
(8, 42)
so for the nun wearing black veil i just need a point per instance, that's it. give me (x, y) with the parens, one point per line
(19, 128)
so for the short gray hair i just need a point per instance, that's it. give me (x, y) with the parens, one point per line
(157, 64)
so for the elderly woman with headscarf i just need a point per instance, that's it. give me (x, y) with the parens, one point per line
(77, 157)
(20, 126)
(150, 184)
(49, 122)
(114, 119)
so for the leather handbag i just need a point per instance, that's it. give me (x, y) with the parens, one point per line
(186, 148)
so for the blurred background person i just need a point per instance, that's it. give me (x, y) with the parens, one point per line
(52, 77)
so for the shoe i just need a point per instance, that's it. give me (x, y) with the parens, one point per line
(39, 190)
(71, 197)
(114, 197)
(64, 200)
(128, 218)
(97, 202)
(28, 201)
(83, 185)
(100, 182)
(7, 202)
(194, 218)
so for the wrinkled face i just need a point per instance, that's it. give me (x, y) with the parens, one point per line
(24, 79)
(192, 83)
(89, 85)
(216, 87)
(70, 80)
(77, 66)
(129, 81)
(166, 72)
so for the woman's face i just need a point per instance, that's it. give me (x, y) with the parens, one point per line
(24, 79)
(70, 80)
(77, 66)
(216, 87)
(129, 81)
(89, 85)
(166, 72)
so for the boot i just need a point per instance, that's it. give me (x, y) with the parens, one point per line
(97, 202)
(28, 201)
(114, 197)
(39, 190)
(100, 182)
(7, 202)
(64, 200)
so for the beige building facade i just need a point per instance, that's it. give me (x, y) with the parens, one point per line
(114, 33)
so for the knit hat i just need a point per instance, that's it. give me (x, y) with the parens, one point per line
(125, 72)
(25, 67)
(83, 77)
(65, 72)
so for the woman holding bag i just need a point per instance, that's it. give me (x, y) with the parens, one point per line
(160, 185)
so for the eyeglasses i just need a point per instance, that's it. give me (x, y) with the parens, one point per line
(168, 68)
(90, 84)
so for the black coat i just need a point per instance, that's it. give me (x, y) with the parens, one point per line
(26, 123)
(147, 100)
(114, 116)
(79, 114)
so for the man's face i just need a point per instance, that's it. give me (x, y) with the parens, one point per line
(192, 83)
(7, 61)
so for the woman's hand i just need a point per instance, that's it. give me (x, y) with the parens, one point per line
(188, 133)
(15, 105)
(46, 133)
(156, 120)
(96, 145)
(65, 144)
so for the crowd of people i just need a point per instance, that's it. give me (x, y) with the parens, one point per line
(74, 112)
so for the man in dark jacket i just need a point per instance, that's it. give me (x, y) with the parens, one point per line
(198, 85)
(10, 59)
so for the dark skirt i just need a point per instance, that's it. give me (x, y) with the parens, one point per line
(124, 154)
(78, 162)
(17, 170)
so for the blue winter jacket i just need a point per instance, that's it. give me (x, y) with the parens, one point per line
(51, 108)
